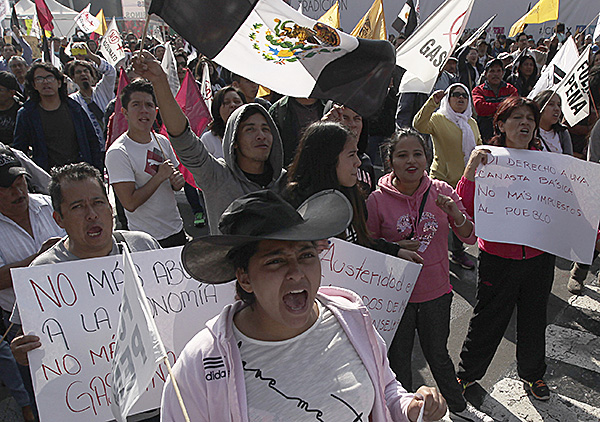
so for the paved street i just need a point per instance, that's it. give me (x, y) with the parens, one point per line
(573, 354)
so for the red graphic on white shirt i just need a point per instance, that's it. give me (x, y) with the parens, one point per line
(153, 160)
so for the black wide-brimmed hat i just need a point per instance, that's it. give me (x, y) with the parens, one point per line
(264, 215)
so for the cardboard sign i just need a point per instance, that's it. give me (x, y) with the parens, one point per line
(544, 200)
(74, 308)
(384, 282)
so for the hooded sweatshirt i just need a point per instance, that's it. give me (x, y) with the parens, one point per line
(221, 180)
(393, 216)
(220, 394)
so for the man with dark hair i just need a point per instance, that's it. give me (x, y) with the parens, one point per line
(9, 106)
(488, 96)
(181, 62)
(96, 81)
(26, 230)
(82, 209)
(9, 50)
(53, 125)
(522, 41)
(18, 67)
(253, 155)
(142, 169)
(249, 89)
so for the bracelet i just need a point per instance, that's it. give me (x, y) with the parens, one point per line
(461, 224)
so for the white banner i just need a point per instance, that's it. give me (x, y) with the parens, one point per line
(426, 51)
(139, 349)
(384, 282)
(111, 44)
(544, 200)
(557, 69)
(87, 22)
(574, 90)
(74, 308)
(169, 65)
(207, 94)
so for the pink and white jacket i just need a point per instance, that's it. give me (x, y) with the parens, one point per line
(220, 394)
(393, 216)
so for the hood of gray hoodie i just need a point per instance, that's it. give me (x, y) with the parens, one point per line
(233, 123)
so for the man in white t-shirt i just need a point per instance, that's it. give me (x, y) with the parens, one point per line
(142, 170)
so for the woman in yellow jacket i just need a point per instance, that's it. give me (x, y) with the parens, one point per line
(454, 134)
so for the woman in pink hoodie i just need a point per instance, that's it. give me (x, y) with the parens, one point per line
(412, 209)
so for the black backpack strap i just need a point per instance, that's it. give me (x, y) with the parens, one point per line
(120, 239)
(421, 208)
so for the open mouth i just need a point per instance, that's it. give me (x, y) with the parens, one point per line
(411, 169)
(296, 301)
(94, 231)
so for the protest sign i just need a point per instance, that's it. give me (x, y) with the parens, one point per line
(544, 200)
(384, 282)
(74, 308)
(111, 44)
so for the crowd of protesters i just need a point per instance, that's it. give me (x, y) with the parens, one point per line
(407, 173)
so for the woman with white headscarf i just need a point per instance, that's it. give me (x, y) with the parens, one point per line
(454, 134)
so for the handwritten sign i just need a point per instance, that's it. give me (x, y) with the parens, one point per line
(74, 308)
(539, 199)
(384, 282)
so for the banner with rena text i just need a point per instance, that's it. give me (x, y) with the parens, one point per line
(544, 200)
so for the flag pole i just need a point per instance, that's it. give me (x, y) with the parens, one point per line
(176, 388)
(7, 330)
(588, 25)
(145, 32)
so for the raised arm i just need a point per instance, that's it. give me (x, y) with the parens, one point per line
(148, 67)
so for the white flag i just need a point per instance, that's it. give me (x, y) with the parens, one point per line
(557, 69)
(596, 36)
(87, 22)
(170, 67)
(157, 35)
(138, 349)
(426, 51)
(36, 30)
(573, 90)
(111, 44)
(207, 93)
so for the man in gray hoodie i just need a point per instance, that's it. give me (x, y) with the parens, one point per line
(253, 154)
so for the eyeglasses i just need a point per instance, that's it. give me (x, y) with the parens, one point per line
(460, 95)
(42, 79)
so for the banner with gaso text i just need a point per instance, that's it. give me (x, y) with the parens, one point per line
(384, 282)
(74, 308)
(544, 200)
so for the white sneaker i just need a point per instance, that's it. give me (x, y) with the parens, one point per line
(470, 414)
